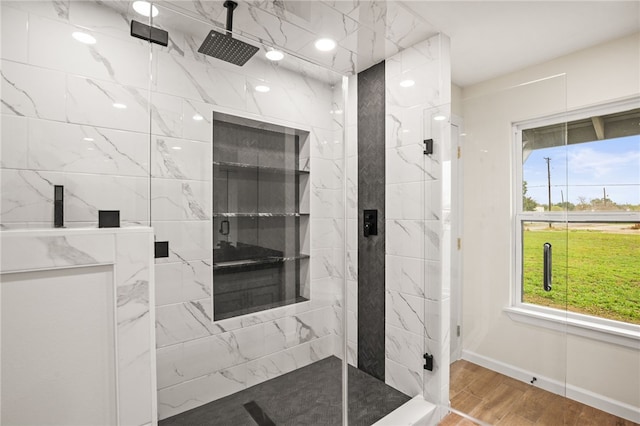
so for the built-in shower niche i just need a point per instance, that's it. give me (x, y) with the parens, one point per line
(260, 216)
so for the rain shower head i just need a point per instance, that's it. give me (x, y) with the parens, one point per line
(224, 46)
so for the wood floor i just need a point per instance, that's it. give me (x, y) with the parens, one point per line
(500, 400)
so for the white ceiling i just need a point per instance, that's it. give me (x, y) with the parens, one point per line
(491, 38)
(488, 38)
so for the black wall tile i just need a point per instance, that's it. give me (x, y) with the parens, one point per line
(371, 194)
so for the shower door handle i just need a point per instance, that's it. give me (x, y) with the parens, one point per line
(547, 267)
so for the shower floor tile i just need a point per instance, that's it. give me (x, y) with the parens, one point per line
(311, 395)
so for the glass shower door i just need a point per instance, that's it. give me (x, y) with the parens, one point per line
(513, 362)
(247, 190)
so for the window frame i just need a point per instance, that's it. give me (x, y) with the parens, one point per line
(618, 332)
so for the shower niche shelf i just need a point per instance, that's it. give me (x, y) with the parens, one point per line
(260, 216)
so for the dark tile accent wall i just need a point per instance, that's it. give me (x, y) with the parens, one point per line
(371, 181)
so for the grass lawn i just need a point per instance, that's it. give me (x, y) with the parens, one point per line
(600, 276)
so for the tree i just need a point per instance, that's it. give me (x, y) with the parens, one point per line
(528, 203)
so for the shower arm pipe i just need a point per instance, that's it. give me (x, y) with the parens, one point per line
(230, 5)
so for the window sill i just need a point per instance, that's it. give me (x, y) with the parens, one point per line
(609, 331)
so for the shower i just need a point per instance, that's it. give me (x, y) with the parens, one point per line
(224, 46)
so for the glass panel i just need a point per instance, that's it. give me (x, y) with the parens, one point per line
(505, 362)
(247, 189)
(75, 113)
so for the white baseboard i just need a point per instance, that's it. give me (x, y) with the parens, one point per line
(584, 396)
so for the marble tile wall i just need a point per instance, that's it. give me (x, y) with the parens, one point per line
(416, 218)
(60, 127)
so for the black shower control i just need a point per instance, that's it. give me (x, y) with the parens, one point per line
(370, 222)
(161, 249)
(108, 218)
(58, 206)
(428, 362)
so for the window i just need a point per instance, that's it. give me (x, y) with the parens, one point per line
(577, 190)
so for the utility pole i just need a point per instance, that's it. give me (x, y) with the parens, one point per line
(547, 159)
(604, 196)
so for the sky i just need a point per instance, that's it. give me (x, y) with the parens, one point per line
(613, 164)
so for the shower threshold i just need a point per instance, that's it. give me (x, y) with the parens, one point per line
(311, 395)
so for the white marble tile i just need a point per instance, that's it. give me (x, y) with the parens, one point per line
(197, 120)
(425, 91)
(180, 159)
(191, 394)
(66, 147)
(421, 53)
(85, 194)
(32, 91)
(14, 142)
(432, 240)
(14, 28)
(404, 126)
(405, 164)
(321, 142)
(169, 366)
(405, 238)
(21, 253)
(404, 347)
(168, 283)
(405, 311)
(325, 174)
(173, 199)
(166, 115)
(402, 378)
(405, 275)
(323, 233)
(196, 280)
(433, 200)
(133, 319)
(91, 102)
(112, 59)
(323, 201)
(352, 326)
(183, 322)
(321, 348)
(190, 240)
(200, 82)
(405, 201)
(322, 265)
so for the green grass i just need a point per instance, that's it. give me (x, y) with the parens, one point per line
(599, 275)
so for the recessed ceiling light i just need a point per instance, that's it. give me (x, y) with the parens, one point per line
(325, 44)
(119, 105)
(407, 83)
(405, 130)
(198, 117)
(338, 111)
(83, 37)
(262, 89)
(440, 117)
(177, 148)
(88, 139)
(274, 55)
(145, 8)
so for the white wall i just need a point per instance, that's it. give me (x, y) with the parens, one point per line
(600, 74)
